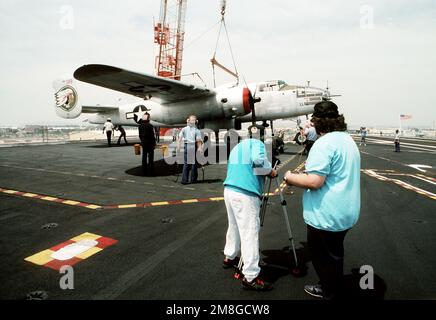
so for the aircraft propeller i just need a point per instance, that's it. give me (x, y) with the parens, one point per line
(252, 99)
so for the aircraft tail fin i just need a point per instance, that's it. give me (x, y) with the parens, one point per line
(67, 102)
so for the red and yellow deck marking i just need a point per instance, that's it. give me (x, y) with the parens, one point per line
(118, 206)
(163, 203)
(50, 199)
(403, 184)
(300, 166)
(281, 165)
(44, 258)
(125, 206)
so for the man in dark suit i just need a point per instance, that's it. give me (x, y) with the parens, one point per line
(148, 142)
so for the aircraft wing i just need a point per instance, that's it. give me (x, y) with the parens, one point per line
(140, 84)
(98, 109)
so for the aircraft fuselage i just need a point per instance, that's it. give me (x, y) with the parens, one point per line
(275, 103)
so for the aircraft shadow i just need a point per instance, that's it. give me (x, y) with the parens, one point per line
(114, 145)
(161, 169)
(207, 180)
(279, 263)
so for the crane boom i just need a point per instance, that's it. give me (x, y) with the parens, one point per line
(169, 33)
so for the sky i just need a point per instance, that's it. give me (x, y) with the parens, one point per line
(379, 55)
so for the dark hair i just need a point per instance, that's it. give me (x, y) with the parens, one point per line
(326, 125)
(260, 132)
(147, 117)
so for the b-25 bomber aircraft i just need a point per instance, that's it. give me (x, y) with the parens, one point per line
(169, 102)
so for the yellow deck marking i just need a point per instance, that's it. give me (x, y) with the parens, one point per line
(162, 203)
(10, 191)
(29, 195)
(41, 258)
(86, 235)
(190, 201)
(217, 199)
(70, 202)
(93, 206)
(124, 206)
(48, 198)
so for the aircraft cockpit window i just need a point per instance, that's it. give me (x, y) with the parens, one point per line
(271, 86)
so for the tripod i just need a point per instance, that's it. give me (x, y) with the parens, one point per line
(296, 271)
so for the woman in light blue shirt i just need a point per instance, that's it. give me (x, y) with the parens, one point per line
(331, 202)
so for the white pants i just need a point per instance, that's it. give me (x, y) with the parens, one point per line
(243, 231)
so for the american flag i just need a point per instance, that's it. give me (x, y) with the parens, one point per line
(405, 116)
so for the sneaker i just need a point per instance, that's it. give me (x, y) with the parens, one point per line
(257, 285)
(314, 290)
(230, 263)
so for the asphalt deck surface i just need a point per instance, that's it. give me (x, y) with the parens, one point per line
(173, 250)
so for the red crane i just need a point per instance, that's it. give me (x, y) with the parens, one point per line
(169, 33)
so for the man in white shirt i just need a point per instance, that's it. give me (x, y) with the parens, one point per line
(397, 141)
(192, 141)
(311, 136)
(109, 128)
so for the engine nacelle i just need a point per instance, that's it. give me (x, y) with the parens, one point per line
(67, 104)
(235, 101)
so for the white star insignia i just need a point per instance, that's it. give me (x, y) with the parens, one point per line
(140, 114)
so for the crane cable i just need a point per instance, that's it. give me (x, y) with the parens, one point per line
(202, 35)
(213, 60)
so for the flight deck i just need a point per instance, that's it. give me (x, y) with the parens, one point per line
(158, 239)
